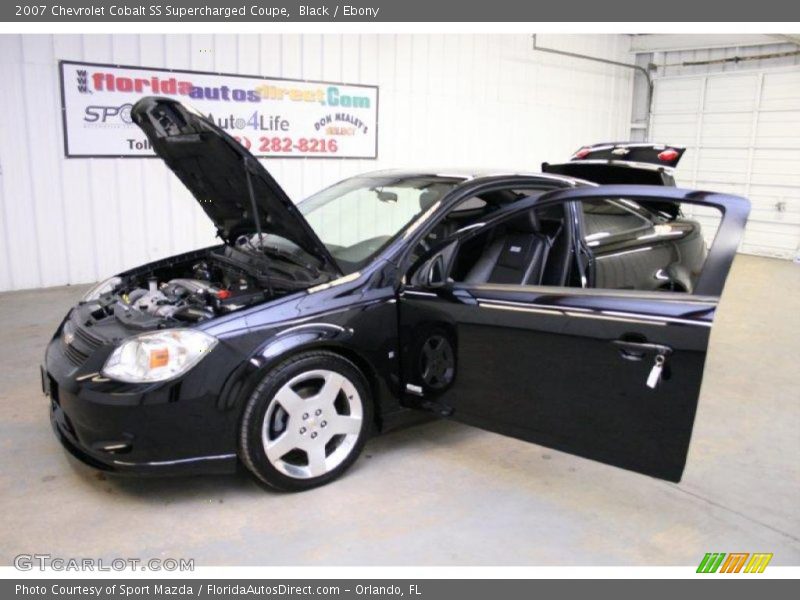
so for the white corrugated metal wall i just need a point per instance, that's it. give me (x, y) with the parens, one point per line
(741, 124)
(472, 100)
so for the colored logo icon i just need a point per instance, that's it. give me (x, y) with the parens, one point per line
(735, 562)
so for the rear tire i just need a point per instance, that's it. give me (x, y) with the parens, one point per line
(306, 422)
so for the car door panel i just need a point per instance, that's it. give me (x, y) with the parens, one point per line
(611, 419)
(568, 368)
(518, 356)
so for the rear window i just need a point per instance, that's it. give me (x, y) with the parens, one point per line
(611, 218)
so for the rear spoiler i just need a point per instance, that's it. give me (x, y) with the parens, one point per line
(661, 155)
(625, 163)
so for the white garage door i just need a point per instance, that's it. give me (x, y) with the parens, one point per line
(742, 133)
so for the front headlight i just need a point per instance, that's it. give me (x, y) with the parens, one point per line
(158, 356)
(104, 287)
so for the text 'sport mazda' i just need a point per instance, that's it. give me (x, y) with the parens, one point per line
(570, 308)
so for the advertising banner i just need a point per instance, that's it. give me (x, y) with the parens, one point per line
(283, 118)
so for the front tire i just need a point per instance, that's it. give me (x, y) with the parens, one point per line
(306, 422)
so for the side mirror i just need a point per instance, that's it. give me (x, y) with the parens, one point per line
(435, 273)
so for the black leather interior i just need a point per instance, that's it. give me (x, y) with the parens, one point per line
(517, 255)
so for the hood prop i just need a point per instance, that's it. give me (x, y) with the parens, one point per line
(248, 168)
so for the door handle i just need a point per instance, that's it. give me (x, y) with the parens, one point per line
(636, 351)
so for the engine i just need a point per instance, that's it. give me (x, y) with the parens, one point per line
(183, 299)
(201, 285)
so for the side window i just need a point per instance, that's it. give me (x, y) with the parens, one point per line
(466, 213)
(648, 246)
(471, 212)
(531, 247)
(469, 205)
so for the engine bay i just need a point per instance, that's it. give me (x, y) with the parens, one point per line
(207, 283)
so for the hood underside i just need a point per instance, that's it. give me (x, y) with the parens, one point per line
(221, 174)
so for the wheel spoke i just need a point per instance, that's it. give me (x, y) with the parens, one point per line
(346, 425)
(305, 424)
(289, 400)
(277, 448)
(316, 459)
(331, 388)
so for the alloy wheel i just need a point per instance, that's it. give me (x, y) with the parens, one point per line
(312, 424)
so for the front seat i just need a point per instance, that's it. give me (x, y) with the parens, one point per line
(516, 256)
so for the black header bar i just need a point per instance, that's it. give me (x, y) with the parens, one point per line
(277, 11)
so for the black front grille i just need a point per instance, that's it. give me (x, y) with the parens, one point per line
(75, 356)
(82, 343)
(88, 338)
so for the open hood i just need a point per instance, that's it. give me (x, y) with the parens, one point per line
(626, 163)
(219, 172)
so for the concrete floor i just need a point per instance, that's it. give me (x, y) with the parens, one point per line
(441, 493)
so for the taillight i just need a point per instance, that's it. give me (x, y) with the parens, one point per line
(582, 153)
(224, 294)
(668, 155)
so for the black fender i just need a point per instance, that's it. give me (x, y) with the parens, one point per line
(287, 343)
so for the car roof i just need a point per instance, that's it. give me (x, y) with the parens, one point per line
(469, 174)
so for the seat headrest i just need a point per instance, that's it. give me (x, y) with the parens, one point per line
(527, 222)
(427, 199)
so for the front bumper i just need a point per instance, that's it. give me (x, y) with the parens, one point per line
(205, 465)
(171, 428)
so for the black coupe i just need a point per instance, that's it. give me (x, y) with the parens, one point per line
(541, 306)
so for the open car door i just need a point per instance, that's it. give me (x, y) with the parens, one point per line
(611, 375)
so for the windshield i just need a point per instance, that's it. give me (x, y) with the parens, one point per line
(356, 218)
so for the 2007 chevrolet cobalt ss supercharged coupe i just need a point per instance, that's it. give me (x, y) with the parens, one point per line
(542, 306)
